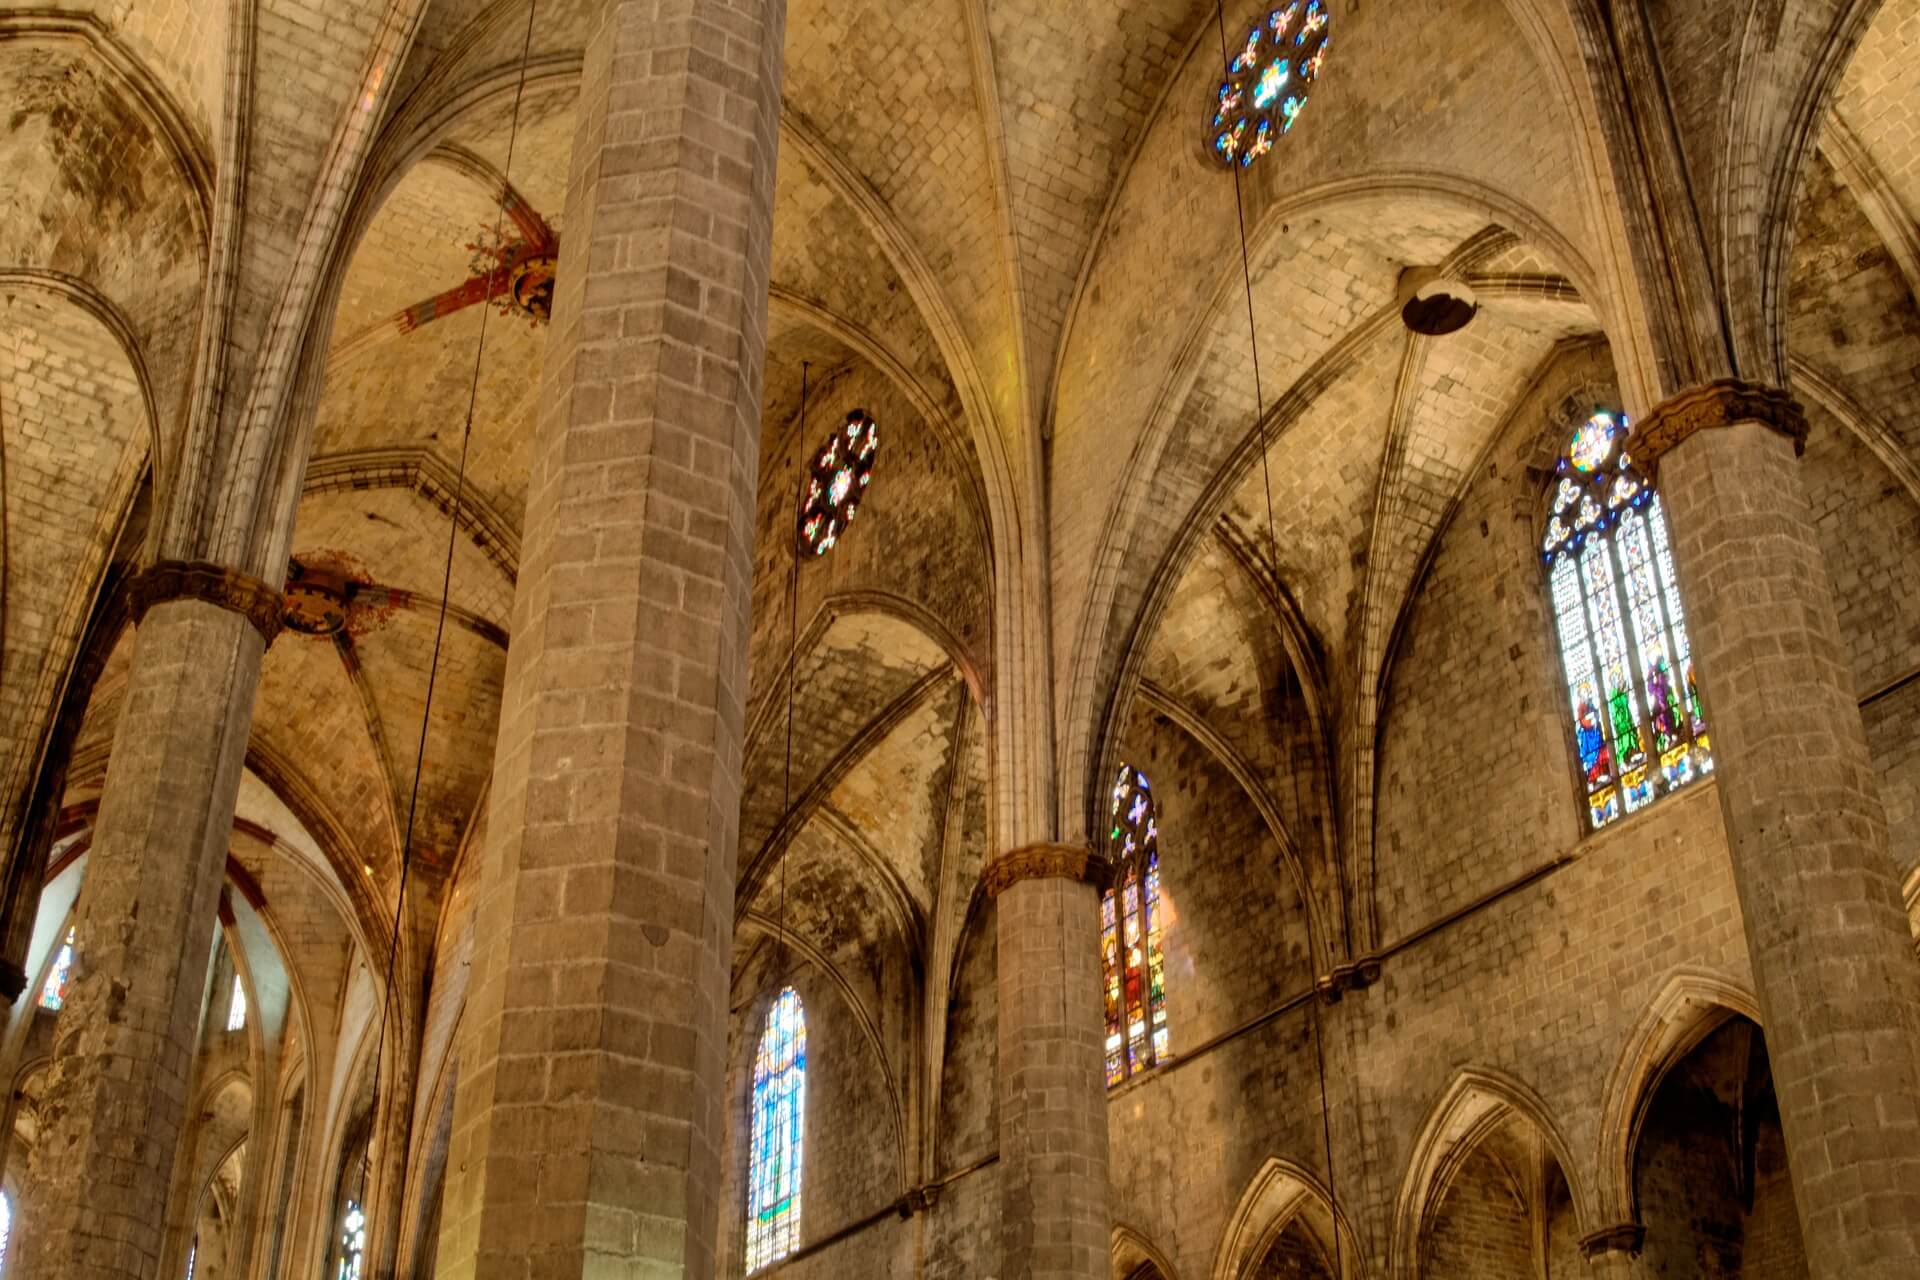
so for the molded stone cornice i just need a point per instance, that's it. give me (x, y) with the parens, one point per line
(1046, 862)
(1624, 1237)
(1717, 404)
(214, 584)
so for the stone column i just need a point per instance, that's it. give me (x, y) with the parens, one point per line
(123, 1048)
(1825, 926)
(588, 1118)
(1055, 1222)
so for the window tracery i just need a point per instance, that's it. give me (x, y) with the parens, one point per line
(774, 1162)
(1132, 962)
(1640, 731)
(1268, 79)
(837, 482)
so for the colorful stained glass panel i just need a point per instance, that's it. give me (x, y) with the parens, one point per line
(778, 1130)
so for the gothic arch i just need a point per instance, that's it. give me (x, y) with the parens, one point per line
(1477, 1102)
(1691, 1005)
(1109, 633)
(1277, 1196)
(1133, 1254)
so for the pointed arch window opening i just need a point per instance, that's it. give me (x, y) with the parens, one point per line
(1640, 730)
(837, 481)
(353, 1243)
(237, 1006)
(53, 992)
(776, 1152)
(1132, 924)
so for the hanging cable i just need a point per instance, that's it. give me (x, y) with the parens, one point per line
(446, 590)
(1273, 551)
(784, 966)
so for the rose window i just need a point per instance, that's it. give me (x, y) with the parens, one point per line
(841, 472)
(1268, 79)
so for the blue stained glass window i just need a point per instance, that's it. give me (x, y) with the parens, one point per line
(774, 1162)
(1639, 729)
(53, 994)
(1132, 935)
(1268, 79)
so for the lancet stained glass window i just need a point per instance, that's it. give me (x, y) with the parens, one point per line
(6, 1228)
(353, 1242)
(1638, 726)
(1268, 78)
(237, 1006)
(842, 470)
(779, 1126)
(1132, 958)
(53, 995)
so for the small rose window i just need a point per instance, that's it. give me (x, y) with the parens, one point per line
(833, 490)
(1268, 79)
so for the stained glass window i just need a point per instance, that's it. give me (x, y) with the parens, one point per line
(237, 1006)
(837, 482)
(779, 1125)
(1638, 726)
(53, 995)
(353, 1242)
(193, 1256)
(1267, 81)
(6, 1228)
(1132, 954)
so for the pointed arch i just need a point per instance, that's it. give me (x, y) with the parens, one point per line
(1133, 1253)
(1690, 1006)
(1477, 1102)
(1279, 1194)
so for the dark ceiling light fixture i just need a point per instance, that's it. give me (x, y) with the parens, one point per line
(1434, 305)
(316, 599)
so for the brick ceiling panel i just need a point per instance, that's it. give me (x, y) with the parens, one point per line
(863, 666)
(415, 247)
(824, 255)
(1852, 315)
(1077, 82)
(311, 717)
(412, 391)
(73, 441)
(1879, 98)
(896, 798)
(891, 88)
(395, 659)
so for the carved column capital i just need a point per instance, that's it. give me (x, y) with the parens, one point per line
(1046, 862)
(214, 584)
(1716, 404)
(1623, 1237)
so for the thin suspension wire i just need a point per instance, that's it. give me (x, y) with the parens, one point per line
(793, 671)
(446, 590)
(1273, 550)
